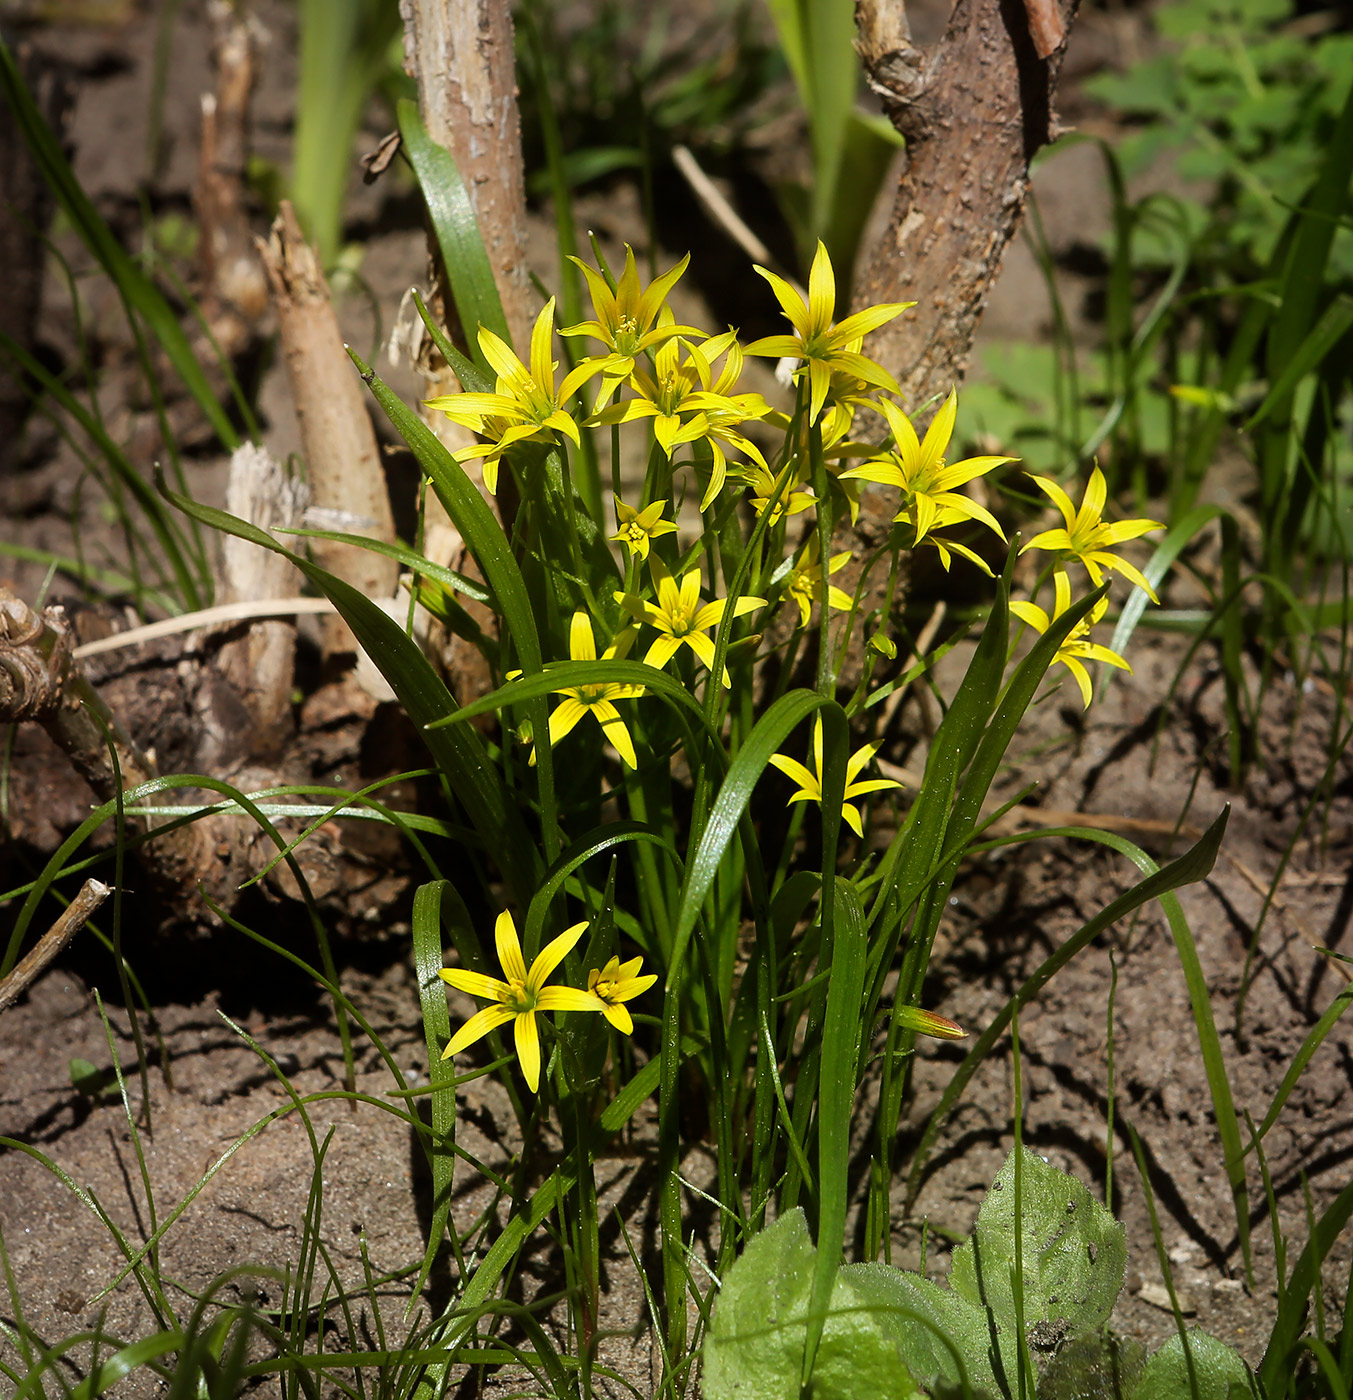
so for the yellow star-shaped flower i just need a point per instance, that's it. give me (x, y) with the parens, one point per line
(685, 403)
(1086, 536)
(763, 485)
(917, 468)
(804, 585)
(825, 347)
(679, 616)
(810, 783)
(1077, 648)
(523, 407)
(616, 983)
(624, 319)
(519, 995)
(638, 528)
(597, 700)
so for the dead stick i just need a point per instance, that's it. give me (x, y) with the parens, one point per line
(72, 920)
(342, 456)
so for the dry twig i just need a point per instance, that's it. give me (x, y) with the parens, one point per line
(72, 920)
(342, 456)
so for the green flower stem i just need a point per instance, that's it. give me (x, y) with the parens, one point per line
(615, 476)
(645, 798)
(825, 670)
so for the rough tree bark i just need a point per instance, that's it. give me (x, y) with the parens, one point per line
(460, 54)
(974, 110)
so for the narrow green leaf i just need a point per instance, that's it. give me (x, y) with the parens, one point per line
(770, 731)
(1322, 337)
(469, 513)
(1314, 1039)
(1275, 1370)
(467, 265)
(1193, 865)
(603, 838)
(1180, 533)
(171, 542)
(410, 558)
(836, 1102)
(424, 697)
(427, 956)
(472, 378)
(139, 295)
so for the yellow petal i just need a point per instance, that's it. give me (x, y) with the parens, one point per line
(477, 1027)
(582, 645)
(509, 948)
(821, 293)
(552, 954)
(528, 1049)
(542, 364)
(476, 983)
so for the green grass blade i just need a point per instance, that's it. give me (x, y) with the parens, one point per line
(818, 38)
(473, 287)
(139, 295)
(1314, 1039)
(342, 51)
(836, 1101)
(472, 378)
(161, 523)
(1327, 332)
(471, 516)
(1177, 537)
(410, 558)
(770, 731)
(427, 958)
(603, 838)
(1275, 1370)
(1193, 865)
(480, 530)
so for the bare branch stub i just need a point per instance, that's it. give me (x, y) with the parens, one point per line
(344, 463)
(974, 110)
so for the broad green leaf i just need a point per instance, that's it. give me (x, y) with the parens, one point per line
(1214, 1371)
(754, 1348)
(1073, 1252)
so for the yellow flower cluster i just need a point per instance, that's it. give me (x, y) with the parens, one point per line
(521, 993)
(684, 384)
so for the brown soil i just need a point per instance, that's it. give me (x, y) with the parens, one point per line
(1010, 909)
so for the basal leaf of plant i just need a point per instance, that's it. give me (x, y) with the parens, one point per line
(754, 1350)
(1098, 1366)
(1073, 1252)
(1218, 1372)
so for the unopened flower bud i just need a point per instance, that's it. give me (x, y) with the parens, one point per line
(928, 1023)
